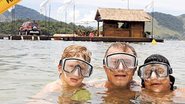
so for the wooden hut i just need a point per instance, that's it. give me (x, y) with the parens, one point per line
(122, 22)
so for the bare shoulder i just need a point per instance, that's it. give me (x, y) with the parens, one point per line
(49, 88)
(179, 96)
(179, 92)
(97, 84)
(40, 97)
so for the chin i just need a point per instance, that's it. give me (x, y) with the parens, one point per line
(156, 90)
(121, 84)
(74, 84)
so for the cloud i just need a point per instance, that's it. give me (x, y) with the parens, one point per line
(89, 17)
(69, 13)
(85, 9)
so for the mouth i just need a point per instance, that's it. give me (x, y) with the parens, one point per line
(120, 76)
(156, 84)
(74, 80)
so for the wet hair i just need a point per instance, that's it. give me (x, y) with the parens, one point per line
(121, 45)
(159, 58)
(77, 51)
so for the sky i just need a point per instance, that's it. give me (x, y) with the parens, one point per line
(85, 10)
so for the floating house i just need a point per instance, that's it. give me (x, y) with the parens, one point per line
(122, 22)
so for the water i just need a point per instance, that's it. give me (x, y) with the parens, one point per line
(27, 66)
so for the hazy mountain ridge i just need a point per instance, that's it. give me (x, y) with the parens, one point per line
(167, 25)
(21, 12)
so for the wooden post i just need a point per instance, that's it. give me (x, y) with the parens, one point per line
(98, 29)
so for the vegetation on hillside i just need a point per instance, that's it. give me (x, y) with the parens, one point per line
(47, 28)
(167, 26)
(169, 21)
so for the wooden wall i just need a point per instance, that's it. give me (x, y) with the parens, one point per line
(110, 28)
(137, 29)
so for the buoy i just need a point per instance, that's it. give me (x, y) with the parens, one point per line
(154, 42)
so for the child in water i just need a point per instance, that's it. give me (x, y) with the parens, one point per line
(158, 83)
(73, 67)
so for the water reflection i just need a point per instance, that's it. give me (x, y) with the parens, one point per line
(146, 97)
(27, 66)
(118, 96)
(79, 96)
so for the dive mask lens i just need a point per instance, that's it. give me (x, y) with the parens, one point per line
(72, 64)
(113, 61)
(160, 70)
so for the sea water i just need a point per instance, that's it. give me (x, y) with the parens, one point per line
(27, 66)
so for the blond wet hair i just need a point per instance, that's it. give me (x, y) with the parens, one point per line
(121, 45)
(77, 51)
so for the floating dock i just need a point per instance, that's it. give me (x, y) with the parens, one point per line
(79, 38)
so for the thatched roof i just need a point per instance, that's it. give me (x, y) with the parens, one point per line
(121, 14)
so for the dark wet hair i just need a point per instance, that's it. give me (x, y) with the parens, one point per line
(159, 58)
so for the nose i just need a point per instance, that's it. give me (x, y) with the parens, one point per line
(121, 66)
(76, 71)
(153, 75)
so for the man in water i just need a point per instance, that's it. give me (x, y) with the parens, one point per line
(120, 63)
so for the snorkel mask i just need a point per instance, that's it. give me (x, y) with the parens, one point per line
(127, 61)
(70, 65)
(160, 69)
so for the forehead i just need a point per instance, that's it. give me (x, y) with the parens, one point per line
(78, 57)
(119, 50)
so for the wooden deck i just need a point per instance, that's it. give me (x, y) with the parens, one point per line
(78, 38)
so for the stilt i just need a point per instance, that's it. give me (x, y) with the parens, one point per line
(32, 37)
(38, 37)
(22, 38)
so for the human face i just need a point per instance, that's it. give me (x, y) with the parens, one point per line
(156, 84)
(156, 76)
(74, 70)
(122, 75)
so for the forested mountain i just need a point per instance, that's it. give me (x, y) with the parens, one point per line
(11, 21)
(167, 26)
(21, 12)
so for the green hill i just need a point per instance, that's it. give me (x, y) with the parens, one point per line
(21, 12)
(11, 21)
(167, 26)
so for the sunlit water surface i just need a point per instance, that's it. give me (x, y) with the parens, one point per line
(27, 66)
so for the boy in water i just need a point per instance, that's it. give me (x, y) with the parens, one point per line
(156, 74)
(73, 67)
(158, 83)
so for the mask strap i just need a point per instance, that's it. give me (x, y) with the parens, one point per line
(60, 75)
